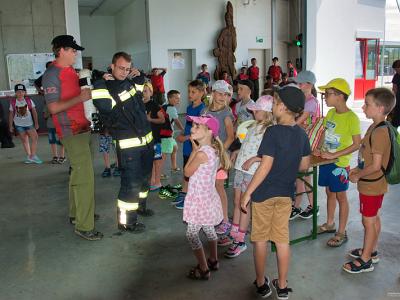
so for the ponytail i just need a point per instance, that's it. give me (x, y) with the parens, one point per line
(221, 152)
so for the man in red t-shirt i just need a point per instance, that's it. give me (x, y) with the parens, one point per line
(64, 99)
(157, 81)
(254, 75)
(275, 71)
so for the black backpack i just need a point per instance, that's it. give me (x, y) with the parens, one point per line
(166, 129)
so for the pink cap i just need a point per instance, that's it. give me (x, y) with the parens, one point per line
(208, 120)
(263, 103)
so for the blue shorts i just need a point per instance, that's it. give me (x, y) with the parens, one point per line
(23, 128)
(105, 143)
(334, 177)
(157, 151)
(53, 139)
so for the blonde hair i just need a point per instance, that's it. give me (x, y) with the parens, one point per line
(149, 86)
(268, 121)
(224, 159)
(211, 104)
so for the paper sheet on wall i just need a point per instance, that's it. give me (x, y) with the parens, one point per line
(178, 61)
(26, 68)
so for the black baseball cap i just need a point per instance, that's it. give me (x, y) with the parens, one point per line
(64, 41)
(247, 83)
(19, 87)
(293, 98)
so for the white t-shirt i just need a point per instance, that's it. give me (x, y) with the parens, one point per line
(243, 114)
(173, 115)
(249, 148)
(22, 116)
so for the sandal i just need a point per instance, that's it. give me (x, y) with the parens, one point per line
(198, 274)
(337, 240)
(365, 266)
(213, 265)
(356, 253)
(325, 228)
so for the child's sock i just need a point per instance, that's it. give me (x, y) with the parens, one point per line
(240, 236)
(234, 230)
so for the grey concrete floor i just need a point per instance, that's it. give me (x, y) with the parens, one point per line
(41, 257)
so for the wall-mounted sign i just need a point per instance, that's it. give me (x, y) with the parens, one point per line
(259, 39)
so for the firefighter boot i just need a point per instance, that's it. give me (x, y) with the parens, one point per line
(143, 211)
(127, 221)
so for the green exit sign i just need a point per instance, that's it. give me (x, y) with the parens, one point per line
(259, 39)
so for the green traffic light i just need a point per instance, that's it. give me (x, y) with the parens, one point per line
(298, 43)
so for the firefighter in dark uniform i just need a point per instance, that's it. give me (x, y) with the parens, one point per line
(119, 101)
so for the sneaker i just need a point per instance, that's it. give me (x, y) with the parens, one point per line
(166, 193)
(116, 172)
(295, 213)
(134, 228)
(174, 188)
(281, 294)
(164, 177)
(35, 159)
(225, 240)
(106, 173)
(175, 170)
(180, 205)
(264, 290)
(180, 198)
(91, 235)
(28, 160)
(54, 160)
(308, 212)
(235, 250)
(223, 228)
(72, 219)
(145, 212)
(62, 160)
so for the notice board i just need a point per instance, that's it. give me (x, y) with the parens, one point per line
(26, 68)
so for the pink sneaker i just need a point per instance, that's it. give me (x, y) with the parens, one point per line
(223, 228)
(225, 240)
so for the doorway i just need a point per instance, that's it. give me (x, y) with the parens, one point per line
(367, 62)
(261, 56)
(180, 74)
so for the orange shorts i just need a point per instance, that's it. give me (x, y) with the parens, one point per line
(270, 220)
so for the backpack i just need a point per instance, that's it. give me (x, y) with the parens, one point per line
(166, 130)
(14, 104)
(392, 171)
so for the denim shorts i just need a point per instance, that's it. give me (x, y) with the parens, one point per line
(157, 151)
(23, 128)
(334, 177)
(53, 139)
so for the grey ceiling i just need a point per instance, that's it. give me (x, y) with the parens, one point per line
(102, 7)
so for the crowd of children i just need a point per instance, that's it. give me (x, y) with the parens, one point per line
(266, 156)
(266, 166)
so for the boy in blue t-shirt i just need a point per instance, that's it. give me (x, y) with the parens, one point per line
(272, 187)
(196, 93)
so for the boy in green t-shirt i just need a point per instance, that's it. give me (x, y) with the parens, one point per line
(341, 138)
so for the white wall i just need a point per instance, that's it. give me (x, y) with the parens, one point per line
(282, 33)
(331, 45)
(72, 25)
(197, 24)
(131, 32)
(98, 38)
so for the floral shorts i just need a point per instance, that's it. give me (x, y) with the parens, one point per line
(241, 180)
